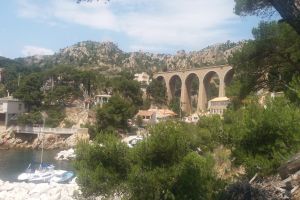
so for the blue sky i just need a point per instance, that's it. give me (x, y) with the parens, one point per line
(30, 27)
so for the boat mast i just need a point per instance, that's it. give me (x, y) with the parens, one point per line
(44, 115)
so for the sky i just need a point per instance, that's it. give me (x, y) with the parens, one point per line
(42, 27)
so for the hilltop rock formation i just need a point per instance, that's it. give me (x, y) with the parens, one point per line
(107, 58)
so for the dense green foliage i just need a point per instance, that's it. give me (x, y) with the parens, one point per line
(102, 167)
(157, 90)
(289, 10)
(129, 89)
(269, 61)
(252, 7)
(164, 166)
(30, 90)
(114, 114)
(175, 105)
(261, 138)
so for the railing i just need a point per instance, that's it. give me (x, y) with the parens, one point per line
(38, 130)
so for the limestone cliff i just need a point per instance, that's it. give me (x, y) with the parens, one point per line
(107, 58)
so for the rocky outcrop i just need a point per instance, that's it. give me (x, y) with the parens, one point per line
(10, 140)
(107, 58)
(76, 117)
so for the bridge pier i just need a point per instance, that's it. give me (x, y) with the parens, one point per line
(185, 103)
(222, 87)
(169, 92)
(201, 97)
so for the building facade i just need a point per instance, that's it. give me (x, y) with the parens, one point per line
(10, 109)
(218, 105)
(102, 99)
(142, 78)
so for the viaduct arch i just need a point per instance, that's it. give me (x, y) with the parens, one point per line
(204, 75)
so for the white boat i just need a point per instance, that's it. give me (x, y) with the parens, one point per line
(42, 174)
(43, 177)
(62, 176)
(27, 174)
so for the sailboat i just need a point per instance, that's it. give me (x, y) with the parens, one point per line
(45, 172)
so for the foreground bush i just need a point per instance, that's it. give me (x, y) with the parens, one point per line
(102, 167)
(262, 137)
(163, 166)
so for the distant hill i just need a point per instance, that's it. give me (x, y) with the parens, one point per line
(107, 58)
(6, 62)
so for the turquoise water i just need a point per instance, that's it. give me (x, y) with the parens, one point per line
(14, 162)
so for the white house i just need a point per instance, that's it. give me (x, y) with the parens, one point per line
(143, 78)
(163, 114)
(218, 105)
(155, 115)
(10, 108)
(102, 99)
(148, 117)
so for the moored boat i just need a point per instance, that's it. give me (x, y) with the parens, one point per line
(42, 174)
(62, 176)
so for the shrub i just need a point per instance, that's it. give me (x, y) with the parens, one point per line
(263, 137)
(102, 167)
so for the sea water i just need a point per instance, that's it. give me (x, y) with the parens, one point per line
(14, 162)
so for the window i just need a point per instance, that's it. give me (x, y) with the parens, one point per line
(20, 106)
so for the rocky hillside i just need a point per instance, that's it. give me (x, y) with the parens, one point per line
(106, 57)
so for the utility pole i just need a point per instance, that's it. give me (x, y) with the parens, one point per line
(19, 79)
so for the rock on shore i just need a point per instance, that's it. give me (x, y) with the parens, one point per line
(50, 141)
(42, 191)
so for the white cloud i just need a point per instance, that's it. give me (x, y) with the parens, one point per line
(154, 23)
(33, 50)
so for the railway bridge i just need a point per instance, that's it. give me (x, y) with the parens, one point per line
(204, 76)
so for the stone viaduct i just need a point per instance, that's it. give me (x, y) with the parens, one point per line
(204, 75)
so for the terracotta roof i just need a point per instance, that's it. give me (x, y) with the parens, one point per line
(163, 112)
(145, 113)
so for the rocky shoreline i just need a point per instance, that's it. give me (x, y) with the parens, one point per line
(31, 191)
(11, 140)
(44, 191)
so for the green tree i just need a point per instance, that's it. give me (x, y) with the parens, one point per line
(129, 89)
(30, 90)
(102, 167)
(211, 133)
(261, 138)
(269, 61)
(32, 118)
(60, 94)
(197, 179)
(163, 166)
(157, 90)
(114, 114)
(288, 10)
(175, 105)
(165, 162)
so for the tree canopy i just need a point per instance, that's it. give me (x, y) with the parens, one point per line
(288, 9)
(163, 166)
(270, 60)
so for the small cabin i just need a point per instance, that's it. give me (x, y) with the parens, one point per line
(10, 108)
